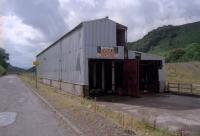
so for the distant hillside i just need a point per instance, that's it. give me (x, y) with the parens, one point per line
(14, 70)
(176, 43)
(32, 69)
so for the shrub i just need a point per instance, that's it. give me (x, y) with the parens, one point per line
(192, 52)
(2, 71)
(175, 55)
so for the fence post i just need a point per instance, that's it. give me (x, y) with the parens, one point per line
(95, 104)
(154, 124)
(122, 119)
(168, 87)
(132, 124)
(191, 88)
(178, 87)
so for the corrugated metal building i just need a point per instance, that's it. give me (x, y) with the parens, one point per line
(93, 59)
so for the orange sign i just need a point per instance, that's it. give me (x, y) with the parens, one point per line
(109, 52)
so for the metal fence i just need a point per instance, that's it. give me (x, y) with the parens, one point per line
(186, 88)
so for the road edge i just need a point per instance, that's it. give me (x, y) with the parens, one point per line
(60, 115)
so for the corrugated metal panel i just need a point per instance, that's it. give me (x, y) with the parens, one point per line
(64, 60)
(72, 58)
(100, 33)
(49, 63)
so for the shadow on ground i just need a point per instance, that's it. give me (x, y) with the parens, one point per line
(161, 101)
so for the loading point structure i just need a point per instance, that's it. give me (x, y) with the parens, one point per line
(92, 59)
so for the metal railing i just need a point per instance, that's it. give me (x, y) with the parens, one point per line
(186, 88)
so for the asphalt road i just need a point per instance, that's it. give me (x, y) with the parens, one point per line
(22, 113)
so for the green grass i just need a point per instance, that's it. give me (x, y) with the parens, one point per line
(62, 100)
(183, 72)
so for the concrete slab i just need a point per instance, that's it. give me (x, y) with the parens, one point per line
(172, 112)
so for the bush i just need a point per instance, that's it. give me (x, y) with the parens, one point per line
(192, 52)
(175, 55)
(2, 71)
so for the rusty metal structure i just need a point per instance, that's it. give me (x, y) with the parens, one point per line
(92, 59)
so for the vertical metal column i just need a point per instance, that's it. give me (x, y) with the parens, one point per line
(103, 76)
(113, 76)
(94, 74)
(60, 61)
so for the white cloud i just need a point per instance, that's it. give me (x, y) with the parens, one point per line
(1, 31)
(21, 41)
(19, 33)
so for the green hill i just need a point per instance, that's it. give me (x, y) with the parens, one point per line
(176, 43)
(14, 70)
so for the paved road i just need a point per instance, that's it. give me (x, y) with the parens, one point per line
(28, 115)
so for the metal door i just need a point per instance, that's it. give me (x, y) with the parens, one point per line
(131, 77)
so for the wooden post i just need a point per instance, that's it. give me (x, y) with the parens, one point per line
(95, 108)
(119, 116)
(36, 85)
(181, 132)
(123, 120)
(178, 87)
(168, 87)
(154, 124)
(132, 124)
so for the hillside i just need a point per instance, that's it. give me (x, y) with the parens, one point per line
(31, 70)
(183, 72)
(14, 70)
(176, 43)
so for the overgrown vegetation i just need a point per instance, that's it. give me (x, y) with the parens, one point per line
(176, 43)
(191, 52)
(3, 61)
(61, 99)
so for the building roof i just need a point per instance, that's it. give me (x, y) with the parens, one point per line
(75, 28)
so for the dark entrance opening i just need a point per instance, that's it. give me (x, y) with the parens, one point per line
(105, 77)
(149, 76)
(108, 76)
(121, 35)
(119, 75)
(123, 77)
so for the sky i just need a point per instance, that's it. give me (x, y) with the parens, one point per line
(29, 26)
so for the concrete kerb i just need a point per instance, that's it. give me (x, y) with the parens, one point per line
(66, 120)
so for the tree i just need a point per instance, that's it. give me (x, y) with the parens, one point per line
(4, 57)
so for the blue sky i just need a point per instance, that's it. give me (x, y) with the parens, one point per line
(29, 26)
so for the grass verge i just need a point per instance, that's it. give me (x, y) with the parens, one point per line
(62, 100)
